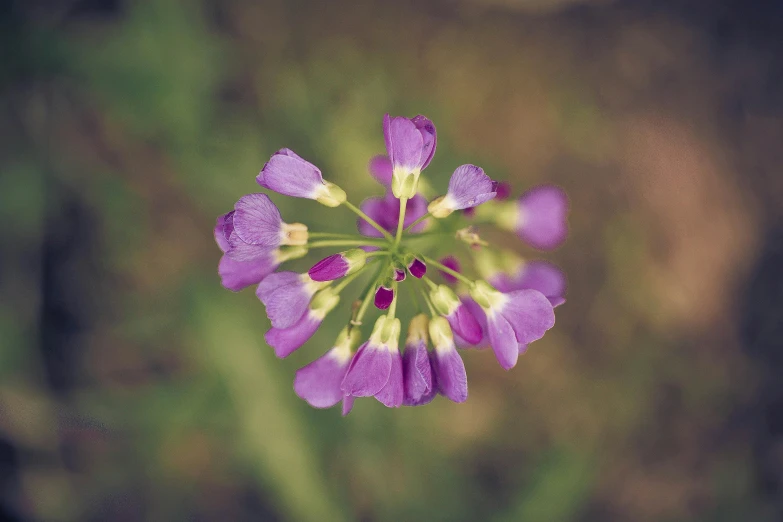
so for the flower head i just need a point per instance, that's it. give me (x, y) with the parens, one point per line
(410, 144)
(510, 306)
(468, 188)
(288, 174)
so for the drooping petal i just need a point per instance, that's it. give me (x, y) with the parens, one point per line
(257, 220)
(465, 325)
(286, 340)
(289, 174)
(429, 139)
(503, 340)
(236, 275)
(469, 186)
(380, 168)
(453, 263)
(450, 373)
(347, 404)
(530, 314)
(416, 373)
(404, 142)
(543, 213)
(285, 296)
(391, 394)
(319, 382)
(368, 372)
(481, 318)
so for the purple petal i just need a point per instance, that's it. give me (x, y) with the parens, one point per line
(542, 276)
(478, 314)
(329, 268)
(417, 374)
(221, 238)
(319, 382)
(404, 142)
(530, 314)
(465, 325)
(543, 215)
(453, 263)
(257, 220)
(391, 394)
(286, 340)
(469, 187)
(241, 251)
(429, 139)
(285, 296)
(556, 301)
(417, 207)
(368, 372)
(450, 374)
(380, 168)
(376, 209)
(383, 297)
(399, 275)
(288, 174)
(236, 275)
(347, 404)
(503, 340)
(417, 268)
(503, 282)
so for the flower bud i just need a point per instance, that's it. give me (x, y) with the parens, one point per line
(338, 265)
(383, 297)
(416, 267)
(444, 299)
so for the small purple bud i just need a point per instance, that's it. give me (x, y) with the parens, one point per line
(383, 297)
(329, 268)
(399, 275)
(417, 268)
(503, 190)
(453, 263)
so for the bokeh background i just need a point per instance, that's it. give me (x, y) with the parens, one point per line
(134, 387)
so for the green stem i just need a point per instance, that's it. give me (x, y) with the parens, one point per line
(422, 218)
(448, 270)
(332, 235)
(369, 293)
(393, 307)
(378, 253)
(368, 219)
(400, 221)
(349, 279)
(346, 242)
(426, 297)
(429, 282)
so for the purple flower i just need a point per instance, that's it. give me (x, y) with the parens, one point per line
(542, 217)
(286, 340)
(468, 188)
(381, 169)
(459, 317)
(537, 275)
(514, 320)
(319, 382)
(386, 212)
(255, 227)
(453, 263)
(383, 297)
(287, 173)
(447, 365)
(236, 275)
(286, 296)
(418, 388)
(399, 275)
(376, 369)
(410, 144)
(338, 265)
(416, 267)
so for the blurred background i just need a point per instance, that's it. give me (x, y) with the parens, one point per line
(134, 387)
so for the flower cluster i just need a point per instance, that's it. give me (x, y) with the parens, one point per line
(503, 301)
